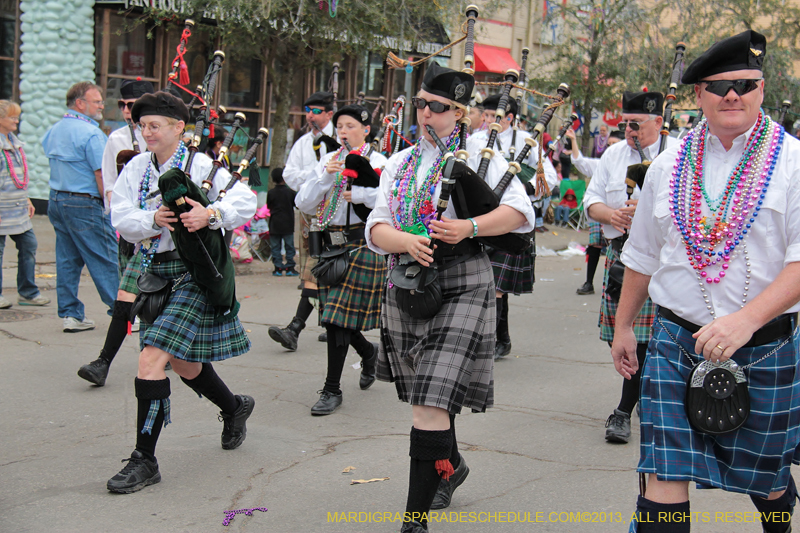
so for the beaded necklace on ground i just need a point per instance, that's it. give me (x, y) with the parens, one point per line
(716, 239)
(149, 248)
(12, 171)
(327, 208)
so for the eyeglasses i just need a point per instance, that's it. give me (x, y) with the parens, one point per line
(123, 104)
(153, 127)
(314, 110)
(722, 87)
(436, 107)
(95, 102)
(634, 126)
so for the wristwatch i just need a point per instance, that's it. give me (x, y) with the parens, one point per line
(214, 219)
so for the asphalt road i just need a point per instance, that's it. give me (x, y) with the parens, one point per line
(536, 457)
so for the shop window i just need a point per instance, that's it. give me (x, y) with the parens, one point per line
(241, 82)
(130, 52)
(8, 32)
(371, 74)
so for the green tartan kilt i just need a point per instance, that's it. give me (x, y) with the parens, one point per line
(133, 267)
(642, 326)
(186, 328)
(356, 302)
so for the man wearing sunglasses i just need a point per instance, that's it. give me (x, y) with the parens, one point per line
(303, 159)
(606, 201)
(715, 245)
(120, 139)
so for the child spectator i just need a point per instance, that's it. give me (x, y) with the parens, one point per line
(280, 201)
(567, 203)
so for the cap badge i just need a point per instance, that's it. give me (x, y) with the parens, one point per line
(364, 116)
(650, 104)
(756, 52)
(460, 90)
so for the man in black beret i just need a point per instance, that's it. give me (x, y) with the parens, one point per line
(606, 201)
(714, 244)
(119, 141)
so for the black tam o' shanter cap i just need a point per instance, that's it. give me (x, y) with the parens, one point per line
(161, 104)
(320, 99)
(447, 83)
(492, 102)
(645, 103)
(135, 89)
(745, 51)
(358, 112)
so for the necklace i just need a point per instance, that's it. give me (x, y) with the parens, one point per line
(712, 241)
(13, 172)
(79, 117)
(330, 204)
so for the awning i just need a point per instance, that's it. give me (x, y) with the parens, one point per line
(493, 59)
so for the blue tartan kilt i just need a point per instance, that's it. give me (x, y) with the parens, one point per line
(756, 458)
(186, 328)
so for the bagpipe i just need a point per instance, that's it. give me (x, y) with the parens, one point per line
(123, 156)
(675, 78)
(563, 131)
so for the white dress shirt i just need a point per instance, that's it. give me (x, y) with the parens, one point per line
(655, 247)
(502, 145)
(118, 140)
(514, 196)
(136, 224)
(608, 183)
(314, 190)
(585, 165)
(302, 159)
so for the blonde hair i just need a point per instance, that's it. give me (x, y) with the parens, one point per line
(8, 107)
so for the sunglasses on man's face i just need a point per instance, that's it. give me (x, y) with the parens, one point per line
(436, 107)
(634, 126)
(722, 87)
(123, 104)
(314, 110)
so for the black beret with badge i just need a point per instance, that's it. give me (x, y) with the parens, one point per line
(645, 103)
(745, 51)
(491, 103)
(320, 99)
(162, 104)
(137, 88)
(447, 83)
(358, 112)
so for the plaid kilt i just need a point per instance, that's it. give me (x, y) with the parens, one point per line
(447, 361)
(513, 273)
(596, 237)
(306, 261)
(133, 267)
(642, 326)
(356, 302)
(186, 328)
(756, 458)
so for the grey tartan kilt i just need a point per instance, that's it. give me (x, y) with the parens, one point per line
(447, 361)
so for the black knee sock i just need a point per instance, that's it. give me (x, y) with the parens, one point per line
(455, 457)
(662, 517)
(209, 384)
(338, 343)
(304, 308)
(593, 257)
(148, 427)
(427, 448)
(630, 387)
(360, 344)
(501, 315)
(117, 330)
(776, 515)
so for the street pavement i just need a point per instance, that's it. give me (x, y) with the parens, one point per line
(538, 459)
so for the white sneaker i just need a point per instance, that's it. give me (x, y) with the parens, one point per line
(39, 300)
(135, 325)
(4, 304)
(73, 325)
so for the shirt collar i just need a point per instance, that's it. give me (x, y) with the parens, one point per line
(738, 143)
(90, 119)
(14, 142)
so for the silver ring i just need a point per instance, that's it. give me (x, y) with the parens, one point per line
(445, 233)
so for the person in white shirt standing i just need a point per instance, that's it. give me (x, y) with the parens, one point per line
(716, 244)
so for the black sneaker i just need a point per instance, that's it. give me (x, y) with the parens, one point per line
(447, 487)
(323, 337)
(137, 474)
(328, 402)
(501, 349)
(95, 372)
(586, 288)
(234, 428)
(413, 527)
(618, 427)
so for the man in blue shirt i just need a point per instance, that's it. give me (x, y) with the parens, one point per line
(84, 235)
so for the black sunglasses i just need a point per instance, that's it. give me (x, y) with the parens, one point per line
(721, 87)
(436, 107)
(123, 104)
(634, 126)
(314, 110)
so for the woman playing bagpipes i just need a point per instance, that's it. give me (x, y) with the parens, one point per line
(340, 193)
(444, 363)
(189, 332)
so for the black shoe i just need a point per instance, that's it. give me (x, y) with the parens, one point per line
(287, 336)
(368, 369)
(618, 427)
(413, 527)
(501, 349)
(586, 288)
(323, 337)
(137, 474)
(95, 372)
(328, 402)
(446, 488)
(234, 427)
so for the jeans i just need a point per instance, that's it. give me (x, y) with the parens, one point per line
(288, 244)
(84, 236)
(26, 263)
(562, 214)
